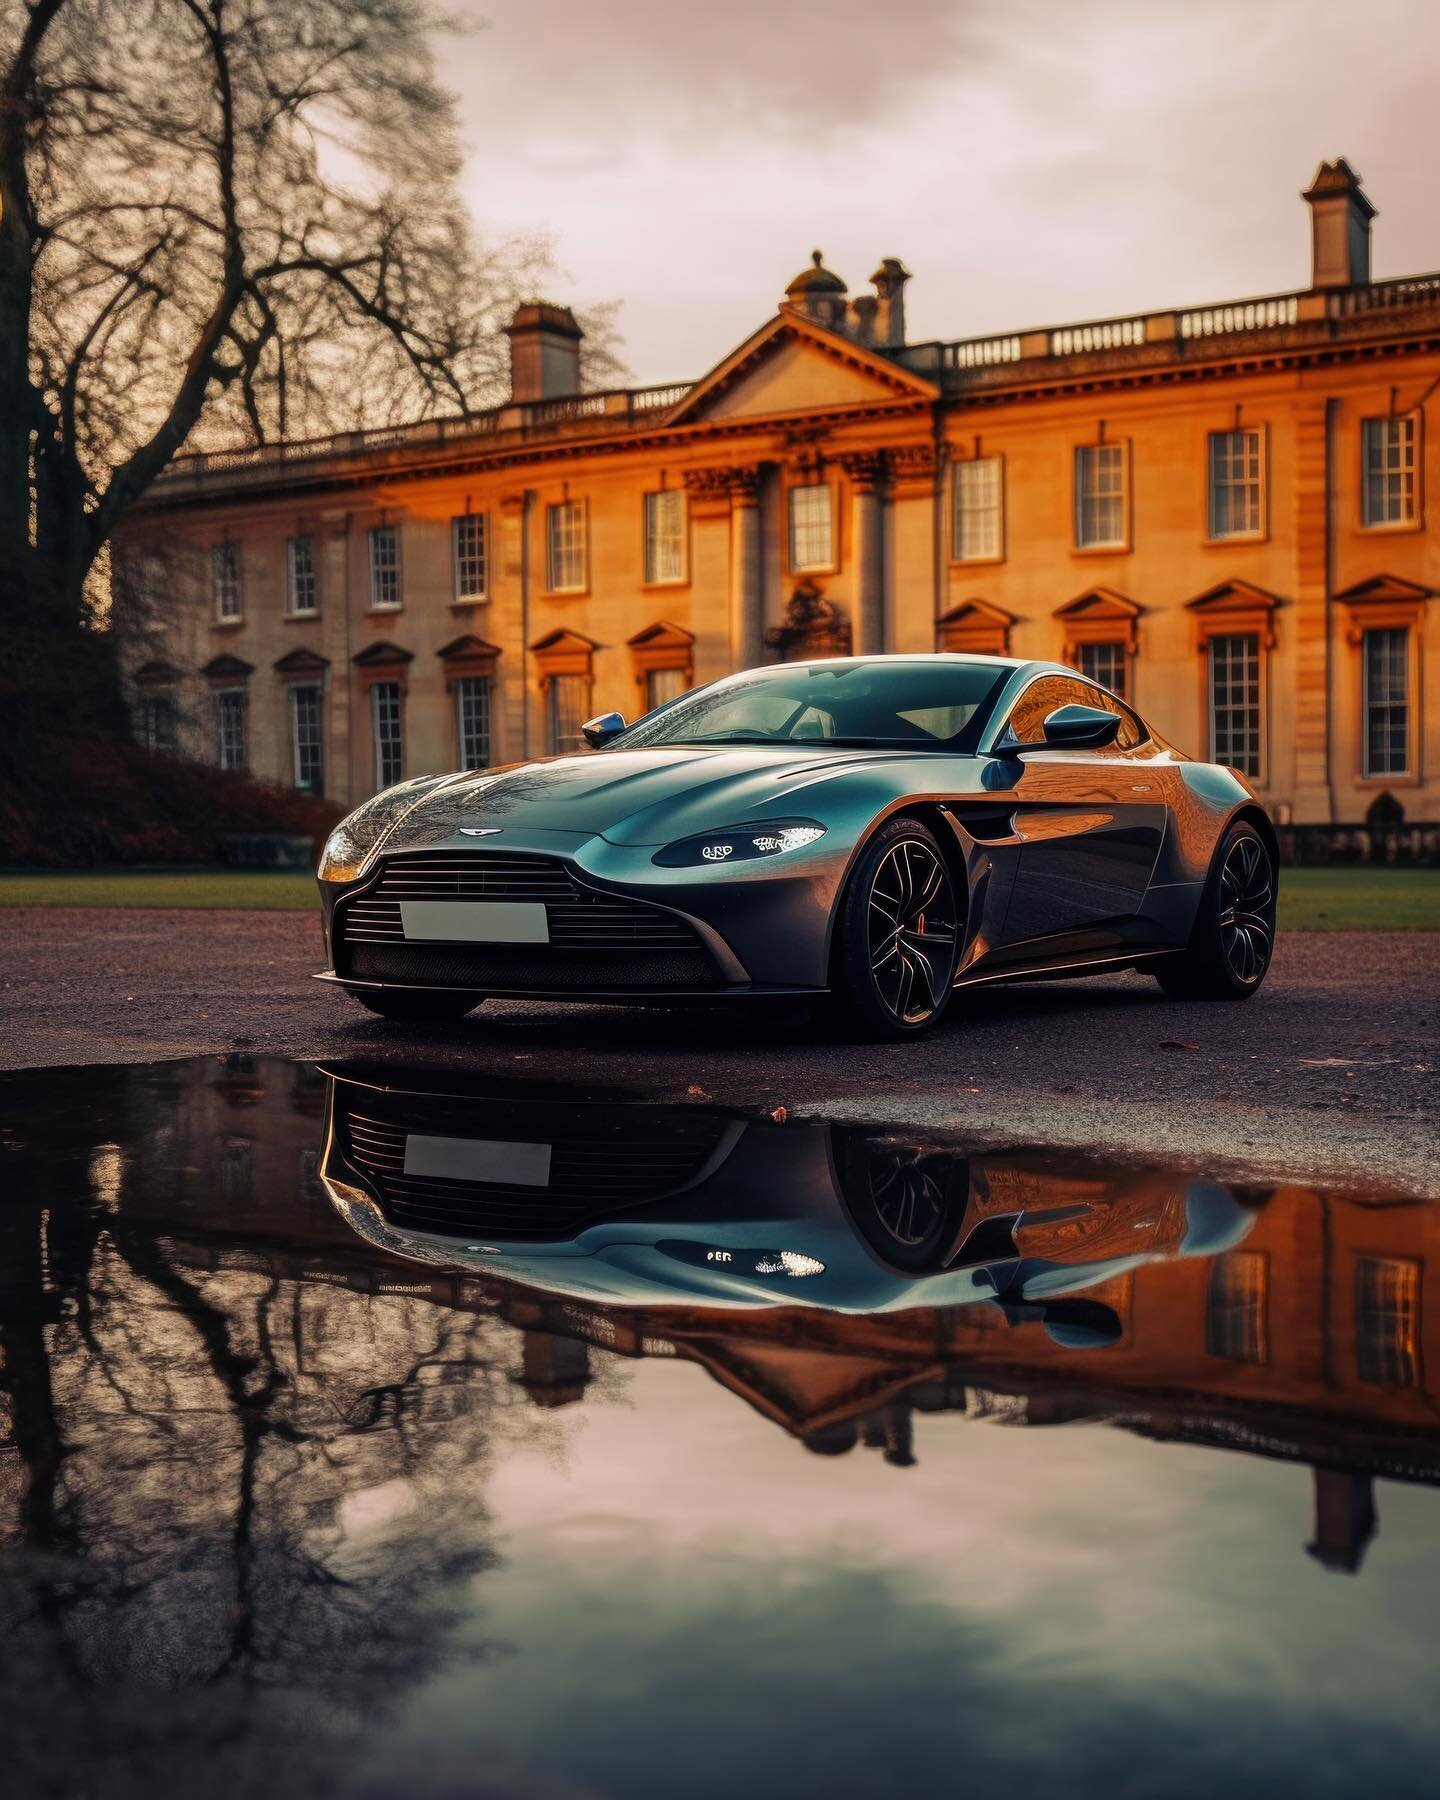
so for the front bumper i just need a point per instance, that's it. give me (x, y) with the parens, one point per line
(754, 928)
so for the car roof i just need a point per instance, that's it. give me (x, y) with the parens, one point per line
(916, 656)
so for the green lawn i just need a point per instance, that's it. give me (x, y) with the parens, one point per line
(1360, 899)
(1310, 899)
(255, 889)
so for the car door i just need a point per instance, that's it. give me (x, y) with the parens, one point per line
(1088, 823)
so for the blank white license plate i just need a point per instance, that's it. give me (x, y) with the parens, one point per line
(477, 1159)
(474, 922)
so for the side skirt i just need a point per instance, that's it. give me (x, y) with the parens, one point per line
(1062, 971)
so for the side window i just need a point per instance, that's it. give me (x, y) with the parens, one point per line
(1030, 711)
(1132, 733)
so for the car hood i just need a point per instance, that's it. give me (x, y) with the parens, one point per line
(635, 796)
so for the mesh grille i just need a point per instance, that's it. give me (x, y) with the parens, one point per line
(602, 1168)
(578, 917)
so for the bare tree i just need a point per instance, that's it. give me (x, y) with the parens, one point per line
(218, 218)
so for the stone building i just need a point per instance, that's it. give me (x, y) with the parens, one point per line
(1226, 512)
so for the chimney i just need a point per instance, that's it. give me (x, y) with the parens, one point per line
(862, 318)
(889, 283)
(1340, 218)
(544, 352)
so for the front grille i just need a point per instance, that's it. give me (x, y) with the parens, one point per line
(597, 940)
(597, 1169)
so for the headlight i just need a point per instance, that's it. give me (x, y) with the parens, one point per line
(745, 843)
(355, 837)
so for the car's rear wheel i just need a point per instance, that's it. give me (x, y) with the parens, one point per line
(898, 934)
(419, 1009)
(1234, 936)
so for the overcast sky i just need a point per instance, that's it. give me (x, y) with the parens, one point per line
(1032, 161)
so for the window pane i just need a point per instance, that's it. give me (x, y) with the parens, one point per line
(1387, 1320)
(385, 566)
(468, 534)
(665, 536)
(662, 685)
(569, 701)
(1104, 663)
(1387, 701)
(1235, 702)
(1235, 506)
(299, 575)
(385, 729)
(472, 719)
(1100, 494)
(1235, 1307)
(1388, 465)
(159, 724)
(225, 570)
(566, 545)
(230, 728)
(307, 743)
(977, 508)
(811, 543)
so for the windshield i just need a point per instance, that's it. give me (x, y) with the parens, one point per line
(882, 704)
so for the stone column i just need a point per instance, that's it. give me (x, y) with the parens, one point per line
(866, 471)
(747, 578)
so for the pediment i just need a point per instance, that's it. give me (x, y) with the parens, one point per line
(228, 668)
(467, 646)
(561, 640)
(381, 656)
(1098, 603)
(156, 674)
(1234, 596)
(662, 636)
(792, 365)
(976, 626)
(1384, 590)
(302, 662)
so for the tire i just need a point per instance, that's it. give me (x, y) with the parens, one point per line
(1234, 937)
(419, 1009)
(900, 896)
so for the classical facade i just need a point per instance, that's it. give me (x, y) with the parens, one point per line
(1226, 512)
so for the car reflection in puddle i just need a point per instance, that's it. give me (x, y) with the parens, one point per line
(655, 1206)
(362, 1429)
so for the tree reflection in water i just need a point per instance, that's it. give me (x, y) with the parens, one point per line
(240, 1509)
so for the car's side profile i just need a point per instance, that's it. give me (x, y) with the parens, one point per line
(884, 830)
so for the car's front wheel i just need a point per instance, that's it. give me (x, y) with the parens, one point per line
(1234, 937)
(898, 934)
(418, 1008)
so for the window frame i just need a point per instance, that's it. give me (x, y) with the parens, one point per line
(387, 707)
(460, 594)
(232, 581)
(232, 691)
(293, 574)
(1262, 746)
(1122, 655)
(1261, 529)
(681, 536)
(1415, 519)
(1080, 545)
(293, 691)
(580, 509)
(394, 569)
(1406, 702)
(832, 562)
(553, 691)
(486, 685)
(960, 466)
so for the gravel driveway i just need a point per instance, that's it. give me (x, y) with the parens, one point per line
(1332, 1070)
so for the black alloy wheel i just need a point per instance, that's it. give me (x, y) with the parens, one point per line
(1234, 937)
(899, 932)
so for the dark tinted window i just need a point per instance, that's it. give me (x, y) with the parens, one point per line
(920, 705)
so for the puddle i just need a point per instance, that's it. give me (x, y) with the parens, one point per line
(362, 1434)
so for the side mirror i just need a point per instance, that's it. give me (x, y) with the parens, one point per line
(1077, 728)
(598, 732)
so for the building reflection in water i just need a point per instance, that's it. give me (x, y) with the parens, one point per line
(244, 1452)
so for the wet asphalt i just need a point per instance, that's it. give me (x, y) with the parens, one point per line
(1330, 1071)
